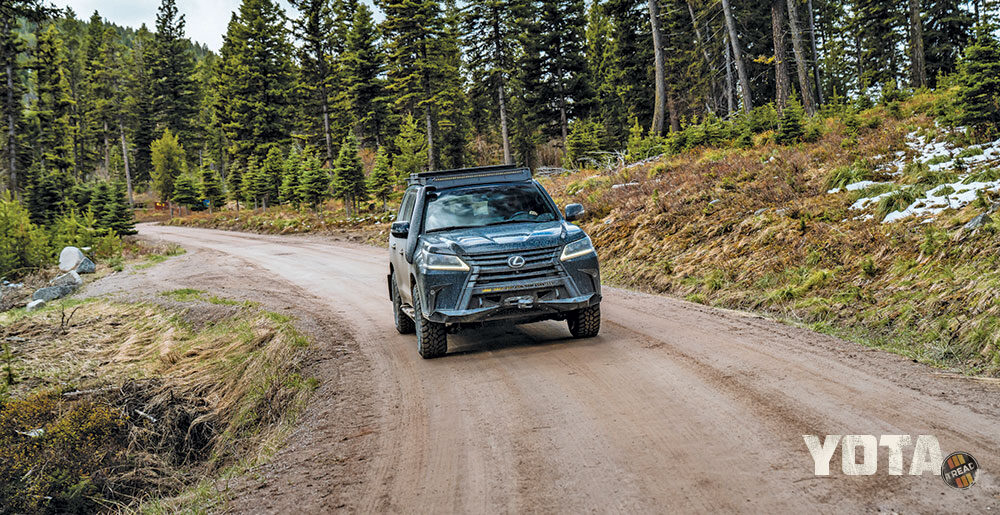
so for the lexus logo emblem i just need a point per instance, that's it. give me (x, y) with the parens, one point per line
(515, 261)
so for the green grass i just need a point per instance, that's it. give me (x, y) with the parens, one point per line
(184, 294)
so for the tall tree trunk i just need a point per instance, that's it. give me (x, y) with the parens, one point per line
(704, 50)
(107, 151)
(659, 100)
(800, 58)
(128, 172)
(428, 119)
(781, 80)
(730, 101)
(507, 159)
(675, 116)
(501, 87)
(860, 65)
(431, 161)
(917, 62)
(738, 57)
(563, 119)
(11, 128)
(815, 53)
(326, 128)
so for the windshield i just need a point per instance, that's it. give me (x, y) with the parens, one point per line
(486, 205)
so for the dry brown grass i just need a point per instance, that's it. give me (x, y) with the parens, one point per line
(755, 229)
(197, 391)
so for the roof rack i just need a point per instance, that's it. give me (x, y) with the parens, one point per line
(475, 175)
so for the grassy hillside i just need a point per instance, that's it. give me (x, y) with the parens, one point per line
(859, 234)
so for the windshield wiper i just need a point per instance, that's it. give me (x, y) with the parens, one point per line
(452, 228)
(501, 222)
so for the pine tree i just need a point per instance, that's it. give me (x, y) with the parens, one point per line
(349, 176)
(139, 104)
(418, 61)
(583, 145)
(292, 172)
(257, 80)
(790, 127)
(382, 181)
(364, 64)
(235, 182)
(314, 184)
(12, 45)
(978, 98)
(489, 42)
(566, 85)
(46, 195)
(174, 91)
(878, 27)
(121, 218)
(106, 94)
(269, 179)
(527, 103)
(452, 124)
(254, 182)
(211, 189)
(185, 192)
(53, 106)
(313, 27)
(947, 25)
(412, 147)
(168, 164)
(102, 205)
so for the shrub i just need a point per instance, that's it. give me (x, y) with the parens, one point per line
(642, 146)
(790, 129)
(23, 245)
(80, 448)
(583, 143)
(896, 201)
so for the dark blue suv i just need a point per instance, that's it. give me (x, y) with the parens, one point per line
(488, 245)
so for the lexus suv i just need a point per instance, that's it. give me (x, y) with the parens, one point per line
(488, 245)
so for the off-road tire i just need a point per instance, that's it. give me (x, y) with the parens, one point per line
(404, 324)
(432, 337)
(586, 322)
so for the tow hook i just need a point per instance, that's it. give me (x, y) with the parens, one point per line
(523, 302)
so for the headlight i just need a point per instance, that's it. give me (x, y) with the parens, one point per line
(444, 262)
(576, 249)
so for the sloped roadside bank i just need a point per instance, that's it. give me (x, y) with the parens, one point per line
(211, 356)
(875, 234)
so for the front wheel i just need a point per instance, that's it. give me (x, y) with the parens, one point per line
(432, 337)
(404, 324)
(586, 322)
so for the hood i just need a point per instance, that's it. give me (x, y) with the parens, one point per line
(502, 238)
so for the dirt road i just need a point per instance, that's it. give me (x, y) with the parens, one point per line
(675, 406)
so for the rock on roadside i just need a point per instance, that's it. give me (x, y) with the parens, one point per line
(71, 279)
(86, 266)
(977, 222)
(35, 305)
(51, 293)
(70, 258)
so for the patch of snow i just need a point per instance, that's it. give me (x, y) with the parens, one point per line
(932, 204)
(860, 185)
(862, 203)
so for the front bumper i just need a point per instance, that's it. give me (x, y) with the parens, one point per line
(521, 309)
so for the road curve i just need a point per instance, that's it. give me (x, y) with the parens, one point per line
(674, 407)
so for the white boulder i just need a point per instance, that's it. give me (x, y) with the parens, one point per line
(70, 258)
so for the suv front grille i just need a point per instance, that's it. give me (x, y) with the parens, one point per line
(492, 269)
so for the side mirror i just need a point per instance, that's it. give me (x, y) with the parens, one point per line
(400, 229)
(574, 212)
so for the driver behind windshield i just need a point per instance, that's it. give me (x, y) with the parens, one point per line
(477, 207)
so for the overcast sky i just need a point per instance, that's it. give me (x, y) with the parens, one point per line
(206, 20)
